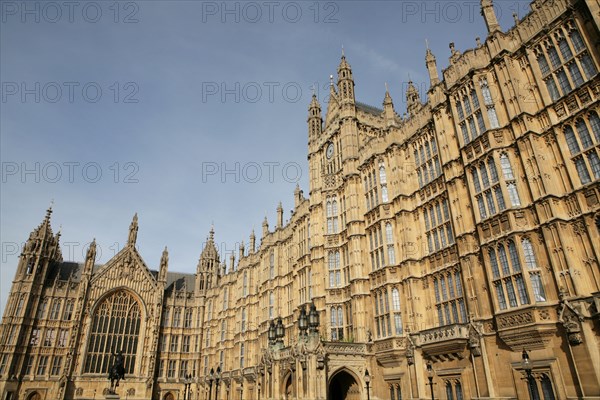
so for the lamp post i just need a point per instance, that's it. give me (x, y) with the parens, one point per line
(279, 331)
(217, 377)
(211, 376)
(430, 378)
(313, 318)
(303, 321)
(368, 382)
(531, 386)
(272, 334)
(187, 382)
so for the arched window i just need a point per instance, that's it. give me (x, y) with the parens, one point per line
(494, 263)
(449, 393)
(584, 134)
(506, 167)
(571, 141)
(389, 238)
(595, 124)
(335, 278)
(514, 257)
(395, 299)
(115, 326)
(245, 284)
(547, 389)
(209, 311)
(493, 170)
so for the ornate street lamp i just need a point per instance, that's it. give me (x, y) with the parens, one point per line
(368, 382)
(313, 318)
(430, 374)
(272, 333)
(217, 377)
(531, 386)
(279, 331)
(187, 382)
(302, 321)
(211, 377)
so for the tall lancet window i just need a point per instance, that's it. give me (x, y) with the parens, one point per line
(115, 326)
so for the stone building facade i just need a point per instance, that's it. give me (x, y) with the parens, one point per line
(450, 239)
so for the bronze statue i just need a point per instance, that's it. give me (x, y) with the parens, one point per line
(117, 371)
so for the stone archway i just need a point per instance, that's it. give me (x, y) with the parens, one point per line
(34, 396)
(343, 386)
(169, 396)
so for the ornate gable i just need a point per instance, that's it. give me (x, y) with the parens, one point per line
(126, 270)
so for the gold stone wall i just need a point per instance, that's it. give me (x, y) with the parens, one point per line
(455, 236)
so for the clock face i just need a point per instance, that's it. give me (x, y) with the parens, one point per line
(329, 152)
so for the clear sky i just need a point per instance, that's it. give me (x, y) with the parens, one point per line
(189, 113)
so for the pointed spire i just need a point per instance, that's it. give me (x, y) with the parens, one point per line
(298, 196)
(90, 259)
(231, 262)
(133, 230)
(279, 216)
(431, 65)
(164, 266)
(315, 121)
(164, 258)
(210, 251)
(242, 250)
(265, 226)
(345, 81)
(388, 108)
(252, 242)
(489, 16)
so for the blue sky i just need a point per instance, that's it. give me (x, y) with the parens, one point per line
(189, 113)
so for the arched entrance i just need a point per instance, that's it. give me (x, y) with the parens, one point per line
(34, 396)
(289, 390)
(169, 396)
(343, 386)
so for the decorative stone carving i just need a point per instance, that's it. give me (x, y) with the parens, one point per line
(475, 341)
(571, 321)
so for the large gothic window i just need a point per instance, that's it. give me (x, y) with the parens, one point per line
(115, 326)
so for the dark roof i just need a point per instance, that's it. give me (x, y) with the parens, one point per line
(178, 280)
(369, 109)
(72, 269)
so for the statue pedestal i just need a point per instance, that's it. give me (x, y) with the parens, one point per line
(112, 397)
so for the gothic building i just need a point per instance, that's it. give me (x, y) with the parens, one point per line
(450, 252)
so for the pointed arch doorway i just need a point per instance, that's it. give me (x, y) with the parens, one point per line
(343, 386)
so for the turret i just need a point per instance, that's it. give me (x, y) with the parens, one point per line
(345, 82)
(208, 269)
(41, 247)
(489, 16)
(315, 120)
(413, 100)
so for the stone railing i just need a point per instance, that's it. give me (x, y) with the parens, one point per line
(345, 348)
(442, 334)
